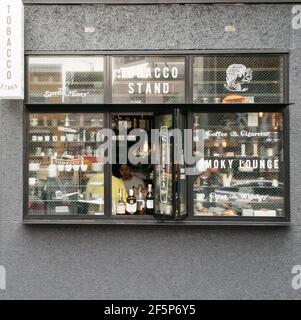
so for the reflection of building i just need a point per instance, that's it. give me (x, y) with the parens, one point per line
(265, 87)
(66, 80)
(149, 80)
(43, 78)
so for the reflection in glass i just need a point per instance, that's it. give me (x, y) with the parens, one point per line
(66, 80)
(65, 164)
(148, 79)
(240, 171)
(238, 79)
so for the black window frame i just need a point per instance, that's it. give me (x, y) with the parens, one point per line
(188, 107)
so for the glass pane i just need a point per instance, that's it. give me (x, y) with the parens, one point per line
(238, 79)
(65, 164)
(239, 168)
(66, 80)
(132, 181)
(138, 79)
(180, 167)
(163, 170)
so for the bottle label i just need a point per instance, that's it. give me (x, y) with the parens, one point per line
(150, 204)
(131, 208)
(62, 209)
(120, 209)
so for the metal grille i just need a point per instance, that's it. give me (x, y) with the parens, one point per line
(65, 164)
(240, 169)
(238, 79)
(138, 79)
(66, 80)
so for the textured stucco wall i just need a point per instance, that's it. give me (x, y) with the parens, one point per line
(149, 262)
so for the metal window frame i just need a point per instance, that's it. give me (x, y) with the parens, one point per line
(283, 109)
(107, 108)
(188, 56)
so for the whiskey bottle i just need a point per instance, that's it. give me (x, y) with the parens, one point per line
(131, 203)
(129, 123)
(142, 123)
(120, 205)
(135, 123)
(149, 201)
(140, 201)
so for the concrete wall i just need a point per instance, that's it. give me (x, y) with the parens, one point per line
(131, 262)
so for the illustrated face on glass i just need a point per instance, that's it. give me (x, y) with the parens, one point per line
(238, 79)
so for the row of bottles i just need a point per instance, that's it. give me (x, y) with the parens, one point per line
(260, 121)
(129, 123)
(90, 121)
(136, 205)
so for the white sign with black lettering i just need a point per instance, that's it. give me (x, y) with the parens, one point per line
(11, 49)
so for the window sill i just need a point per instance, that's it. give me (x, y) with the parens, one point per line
(154, 222)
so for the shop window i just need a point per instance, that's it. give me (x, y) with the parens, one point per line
(239, 166)
(236, 169)
(140, 79)
(202, 162)
(65, 159)
(73, 80)
(238, 79)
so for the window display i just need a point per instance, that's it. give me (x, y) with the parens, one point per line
(66, 171)
(132, 164)
(66, 79)
(148, 185)
(240, 164)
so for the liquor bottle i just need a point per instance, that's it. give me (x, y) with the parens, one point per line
(114, 122)
(140, 201)
(120, 205)
(121, 124)
(83, 136)
(135, 193)
(135, 123)
(98, 136)
(142, 123)
(196, 122)
(149, 207)
(129, 123)
(151, 175)
(131, 203)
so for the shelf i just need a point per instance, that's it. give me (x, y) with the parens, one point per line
(221, 188)
(200, 69)
(65, 142)
(97, 202)
(55, 128)
(196, 94)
